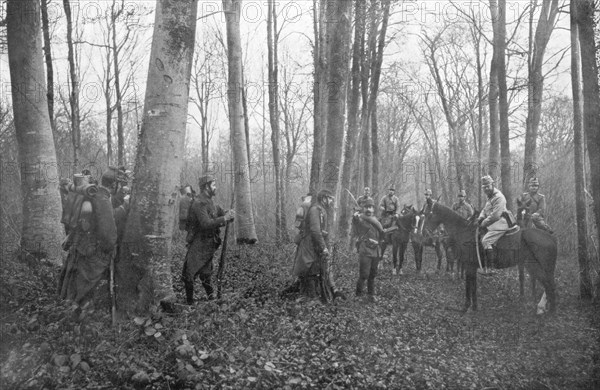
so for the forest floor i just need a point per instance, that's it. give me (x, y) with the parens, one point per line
(413, 336)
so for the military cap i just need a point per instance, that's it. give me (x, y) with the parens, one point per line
(205, 180)
(392, 188)
(428, 191)
(534, 181)
(323, 193)
(113, 174)
(462, 193)
(487, 179)
(367, 189)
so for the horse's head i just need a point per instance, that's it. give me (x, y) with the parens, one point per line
(432, 219)
(409, 217)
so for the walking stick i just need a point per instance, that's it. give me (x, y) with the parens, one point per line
(221, 269)
(113, 298)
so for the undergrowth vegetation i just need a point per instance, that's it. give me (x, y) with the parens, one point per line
(413, 336)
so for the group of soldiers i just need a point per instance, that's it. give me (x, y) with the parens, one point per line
(95, 224)
(94, 216)
(369, 231)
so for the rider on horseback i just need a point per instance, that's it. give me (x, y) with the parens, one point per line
(462, 207)
(531, 207)
(363, 198)
(389, 206)
(491, 217)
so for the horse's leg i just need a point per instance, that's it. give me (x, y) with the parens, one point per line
(438, 253)
(418, 248)
(401, 252)
(521, 279)
(541, 307)
(395, 246)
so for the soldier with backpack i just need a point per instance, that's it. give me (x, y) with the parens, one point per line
(92, 234)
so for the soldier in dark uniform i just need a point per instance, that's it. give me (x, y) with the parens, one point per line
(389, 207)
(91, 244)
(312, 259)
(363, 198)
(531, 206)
(205, 221)
(462, 207)
(369, 232)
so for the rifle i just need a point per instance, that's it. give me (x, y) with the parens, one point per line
(111, 282)
(221, 268)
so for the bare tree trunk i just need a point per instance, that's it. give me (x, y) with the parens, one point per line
(320, 93)
(274, 110)
(74, 96)
(338, 70)
(144, 269)
(41, 231)
(505, 167)
(49, 67)
(375, 77)
(535, 87)
(351, 138)
(585, 283)
(591, 98)
(108, 101)
(494, 152)
(118, 92)
(244, 221)
(479, 118)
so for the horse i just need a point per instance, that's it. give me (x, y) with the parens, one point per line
(399, 235)
(437, 239)
(535, 249)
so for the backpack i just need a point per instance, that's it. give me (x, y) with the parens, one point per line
(301, 215)
(77, 210)
(185, 205)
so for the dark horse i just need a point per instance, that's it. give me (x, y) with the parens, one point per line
(537, 251)
(402, 228)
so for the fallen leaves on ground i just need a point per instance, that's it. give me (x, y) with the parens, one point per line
(411, 337)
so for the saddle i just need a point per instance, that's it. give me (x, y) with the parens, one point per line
(511, 240)
(507, 248)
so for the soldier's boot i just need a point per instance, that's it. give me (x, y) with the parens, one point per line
(371, 290)
(189, 292)
(311, 286)
(206, 283)
(359, 288)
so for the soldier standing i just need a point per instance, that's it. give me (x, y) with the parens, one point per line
(369, 232)
(532, 206)
(312, 259)
(91, 243)
(206, 219)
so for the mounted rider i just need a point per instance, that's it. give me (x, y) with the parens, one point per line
(462, 207)
(531, 206)
(389, 207)
(364, 197)
(492, 218)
